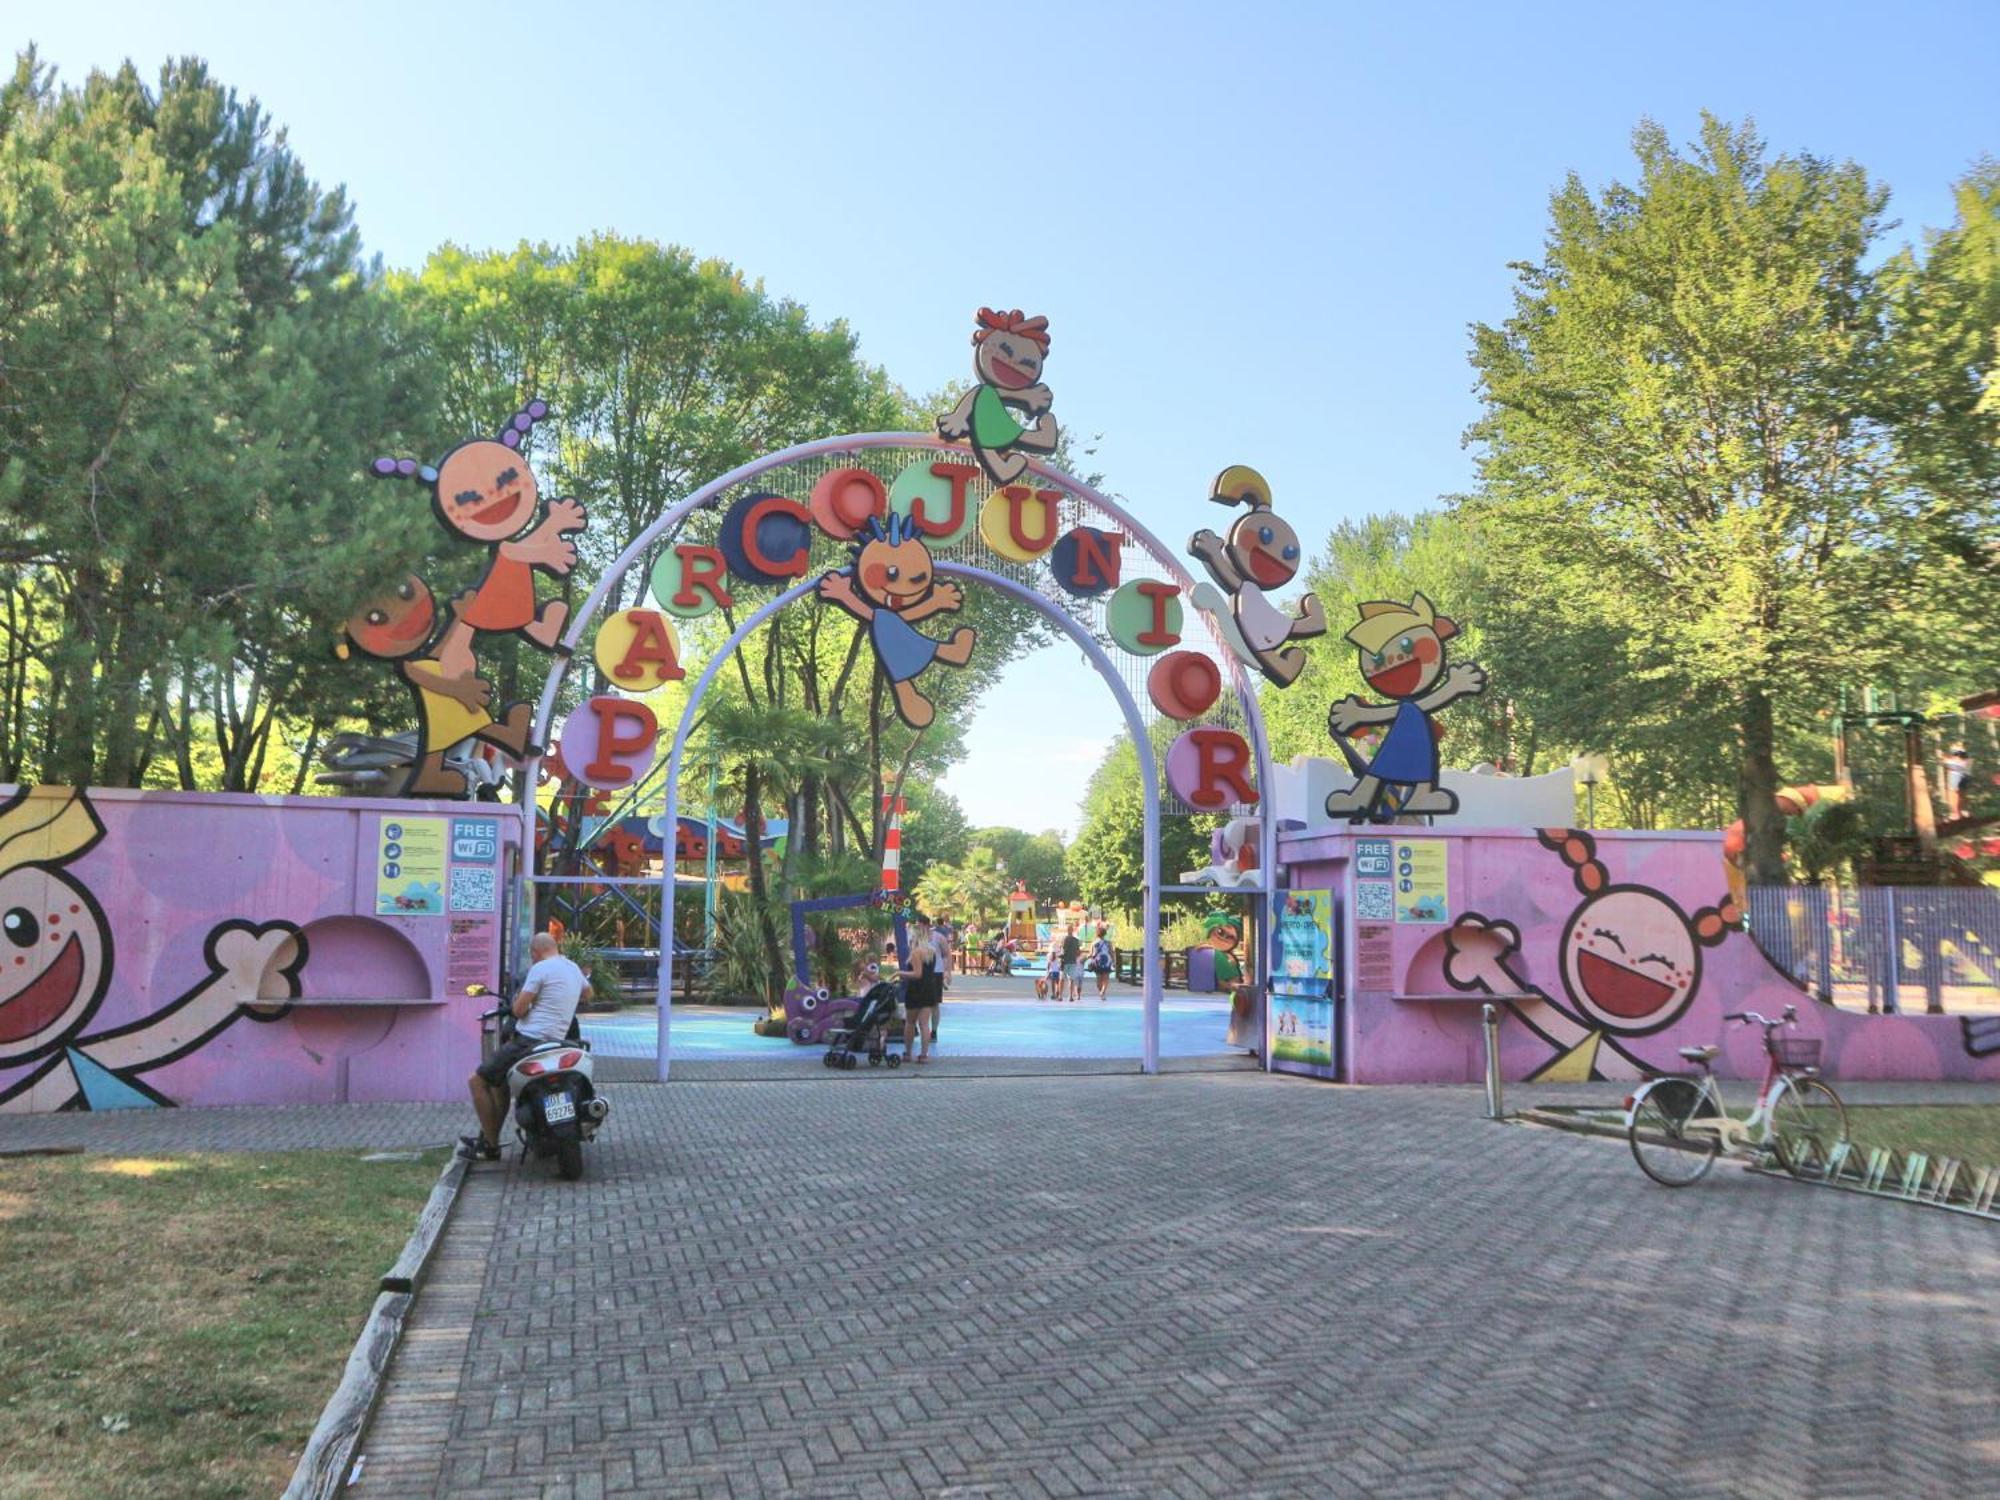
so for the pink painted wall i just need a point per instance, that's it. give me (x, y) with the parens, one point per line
(234, 949)
(1609, 952)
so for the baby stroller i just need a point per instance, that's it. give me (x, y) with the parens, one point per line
(871, 1031)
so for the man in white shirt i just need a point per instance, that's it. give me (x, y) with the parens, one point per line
(543, 1011)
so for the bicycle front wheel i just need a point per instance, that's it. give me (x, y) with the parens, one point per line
(1662, 1143)
(1807, 1122)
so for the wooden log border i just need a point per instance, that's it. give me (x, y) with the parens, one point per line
(323, 1468)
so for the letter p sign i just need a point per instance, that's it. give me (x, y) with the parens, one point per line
(610, 742)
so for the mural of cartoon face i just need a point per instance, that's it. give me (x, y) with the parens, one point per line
(1630, 960)
(395, 623)
(55, 952)
(486, 491)
(896, 574)
(1406, 665)
(1264, 549)
(1007, 360)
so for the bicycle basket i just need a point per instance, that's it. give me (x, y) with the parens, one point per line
(1795, 1051)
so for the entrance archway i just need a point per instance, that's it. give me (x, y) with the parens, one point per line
(960, 517)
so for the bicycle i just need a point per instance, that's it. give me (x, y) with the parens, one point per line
(1677, 1126)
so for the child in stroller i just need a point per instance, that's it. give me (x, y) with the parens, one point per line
(873, 1031)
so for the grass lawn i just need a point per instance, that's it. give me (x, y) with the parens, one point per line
(1970, 1132)
(172, 1325)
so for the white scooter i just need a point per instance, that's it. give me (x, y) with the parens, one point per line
(556, 1106)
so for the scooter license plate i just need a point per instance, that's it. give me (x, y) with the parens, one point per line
(557, 1108)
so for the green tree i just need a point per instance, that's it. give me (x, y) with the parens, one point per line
(1677, 434)
(1108, 860)
(183, 519)
(1038, 860)
(934, 832)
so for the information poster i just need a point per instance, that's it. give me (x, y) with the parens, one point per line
(410, 868)
(1423, 884)
(1302, 1035)
(1302, 940)
(1301, 972)
(1375, 957)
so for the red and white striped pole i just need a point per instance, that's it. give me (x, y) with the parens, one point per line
(892, 843)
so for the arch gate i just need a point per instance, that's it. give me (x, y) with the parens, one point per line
(823, 524)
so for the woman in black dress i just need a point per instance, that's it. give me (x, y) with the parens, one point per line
(923, 991)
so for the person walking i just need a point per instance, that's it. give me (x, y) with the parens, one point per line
(1100, 960)
(944, 939)
(1072, 961)
(923, 991)
(1049, 986)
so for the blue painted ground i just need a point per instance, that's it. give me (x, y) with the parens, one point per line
(967, 1028)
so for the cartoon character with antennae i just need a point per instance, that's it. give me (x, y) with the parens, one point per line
(484, 491)
(1008, 351)
(1630, 963)
(892, 583)
(1262, 553)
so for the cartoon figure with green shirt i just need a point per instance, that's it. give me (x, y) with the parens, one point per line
(1008, 352)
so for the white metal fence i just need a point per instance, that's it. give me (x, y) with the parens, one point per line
(1885, 948)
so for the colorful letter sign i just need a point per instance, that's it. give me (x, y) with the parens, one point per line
(610, 742)
(637, 650)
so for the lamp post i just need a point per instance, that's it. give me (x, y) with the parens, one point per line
(1589, 769)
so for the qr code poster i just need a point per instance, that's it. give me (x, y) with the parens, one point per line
(473, 889)
(1374, 901)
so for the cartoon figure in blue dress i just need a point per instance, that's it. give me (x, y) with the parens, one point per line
(891, 584)
(1402, 658)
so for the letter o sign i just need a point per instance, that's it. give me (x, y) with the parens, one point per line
(1184, 684)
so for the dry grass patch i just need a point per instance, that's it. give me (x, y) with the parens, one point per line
(172, 1326)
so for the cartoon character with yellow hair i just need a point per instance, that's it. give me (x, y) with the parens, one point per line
(55, 967)
(1402, 658)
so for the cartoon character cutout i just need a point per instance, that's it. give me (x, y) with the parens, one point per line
(1008, 352)
(399, 626)
(485, 492)
(1403, 659)
(1223, 933)
(56, 965)
(891, 584)
(1630, 964)
(1262, 552)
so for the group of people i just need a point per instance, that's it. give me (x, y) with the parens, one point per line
(1063, 979)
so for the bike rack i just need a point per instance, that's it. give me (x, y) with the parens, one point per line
(1906, 1176)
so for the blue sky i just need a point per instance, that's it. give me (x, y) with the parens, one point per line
(1259, 231)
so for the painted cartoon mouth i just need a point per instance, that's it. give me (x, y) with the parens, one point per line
(1619, 991)
(48, 997)
(1011, 376)
(498, 511)
(1399, 680)
(1268, 570)
(417, 625)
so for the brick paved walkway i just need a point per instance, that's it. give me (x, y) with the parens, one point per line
(1208, 1284)
(1200, 1284)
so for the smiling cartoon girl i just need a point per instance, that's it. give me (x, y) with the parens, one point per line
(1403, 659)
(1631, 964)
(485, 492)
(891, 584)
(56, 964)
(1008, 352)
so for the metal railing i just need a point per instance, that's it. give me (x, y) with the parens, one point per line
(1929, 949)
